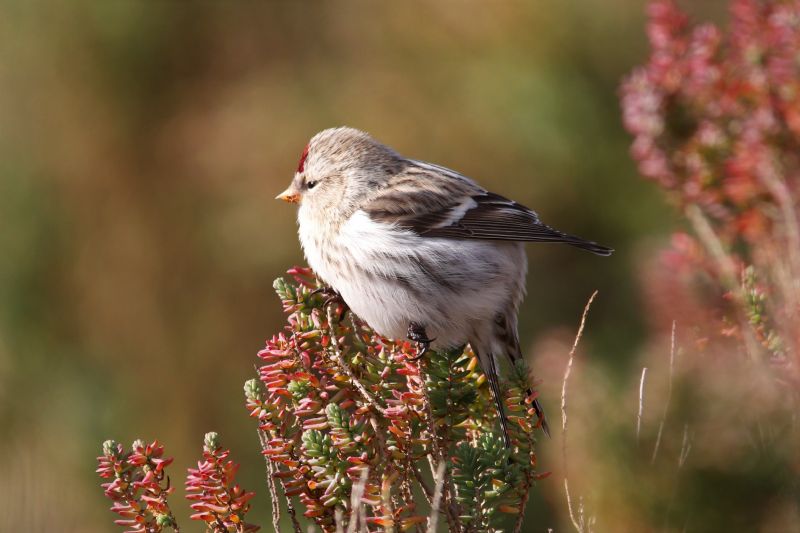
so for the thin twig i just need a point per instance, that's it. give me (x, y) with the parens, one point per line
(577, 522)
(378, 430)
(426, 490)
(707, 235)
(273, 493)
(346, 368)
(338, 518)
(779, 189)
(669, 395)
(686, 446)
(437, 498)
(641, 404)
(523, 503)
(289, 505)
(356, 494)
(453, 513)
(387, 480)
(727, 270)
(262, 438)
(362, 517)
(579, 525)
(789, 281)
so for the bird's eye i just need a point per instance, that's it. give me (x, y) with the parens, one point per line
(311, 184)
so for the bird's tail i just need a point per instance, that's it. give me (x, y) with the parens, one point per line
(547, 234)
(583, 244)
(589, 246)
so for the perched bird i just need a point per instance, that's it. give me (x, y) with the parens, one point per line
(418, 250)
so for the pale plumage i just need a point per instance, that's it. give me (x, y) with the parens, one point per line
(404, 242)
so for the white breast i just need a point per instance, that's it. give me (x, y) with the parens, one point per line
(390, 276)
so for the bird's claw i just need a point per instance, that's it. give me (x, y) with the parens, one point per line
(416, 333)
(332, 296)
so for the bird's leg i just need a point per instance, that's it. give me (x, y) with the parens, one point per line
(326, 291)
(416, 333)
(494, 383)
(332, 296)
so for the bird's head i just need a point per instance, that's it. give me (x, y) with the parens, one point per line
(338, 168)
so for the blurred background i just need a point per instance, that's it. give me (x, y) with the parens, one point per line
(141, 147)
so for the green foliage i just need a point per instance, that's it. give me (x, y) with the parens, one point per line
(298, 388)
(758, 314)
(452, 388)
(485, 478)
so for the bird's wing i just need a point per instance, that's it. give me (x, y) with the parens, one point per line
(434, 201)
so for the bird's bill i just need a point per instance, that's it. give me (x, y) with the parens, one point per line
(289, 195)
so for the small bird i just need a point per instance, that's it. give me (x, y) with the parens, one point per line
(417, 250)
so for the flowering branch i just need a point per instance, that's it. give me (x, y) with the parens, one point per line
(140, 486)
(219, 502)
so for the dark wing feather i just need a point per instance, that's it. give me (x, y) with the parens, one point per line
(497, 218)
(431, 201)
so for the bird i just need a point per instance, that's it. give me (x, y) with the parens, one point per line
(418, 251)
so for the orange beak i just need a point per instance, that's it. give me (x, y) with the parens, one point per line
(289, 195)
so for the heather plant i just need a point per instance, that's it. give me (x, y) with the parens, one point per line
(140, 488)
(716, 123)
(707, 436)
(344, 412)
(218, 500)
(357, 433)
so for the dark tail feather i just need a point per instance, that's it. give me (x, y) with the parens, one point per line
(589, 246)
(592, 247)
(544, 233)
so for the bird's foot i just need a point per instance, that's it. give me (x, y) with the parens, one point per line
(332, 297)
(416, 333)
